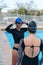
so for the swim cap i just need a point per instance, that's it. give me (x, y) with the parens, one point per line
(18, 20)
(32, 27)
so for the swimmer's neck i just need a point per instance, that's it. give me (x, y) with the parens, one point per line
(18, 29)
(32, 35)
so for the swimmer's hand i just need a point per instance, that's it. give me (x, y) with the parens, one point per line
(25, 23)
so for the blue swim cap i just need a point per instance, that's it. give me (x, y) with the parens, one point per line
(18, 20)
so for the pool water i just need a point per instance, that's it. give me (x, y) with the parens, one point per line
(39, 34)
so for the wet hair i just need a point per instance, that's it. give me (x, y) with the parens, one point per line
(32, 27)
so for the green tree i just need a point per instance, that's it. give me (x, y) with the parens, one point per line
(22, 10)
(38, 13)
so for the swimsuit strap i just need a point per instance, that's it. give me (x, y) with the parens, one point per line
(41, 45)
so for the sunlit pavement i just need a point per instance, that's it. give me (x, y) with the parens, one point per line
(5, 50)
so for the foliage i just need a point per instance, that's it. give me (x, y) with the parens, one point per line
(38, 13)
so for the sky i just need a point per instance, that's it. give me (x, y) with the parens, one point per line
(12, 4)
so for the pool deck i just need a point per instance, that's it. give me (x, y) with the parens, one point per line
(5, 50)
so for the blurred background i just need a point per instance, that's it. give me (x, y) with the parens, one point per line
(26, 9)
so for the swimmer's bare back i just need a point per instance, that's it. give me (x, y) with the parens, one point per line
(32, 46)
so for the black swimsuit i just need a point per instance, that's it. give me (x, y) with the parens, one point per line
(30, 61)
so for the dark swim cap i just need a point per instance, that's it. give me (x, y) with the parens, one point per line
(18, 20)
(32, 27)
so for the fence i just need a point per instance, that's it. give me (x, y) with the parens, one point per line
(26, 18)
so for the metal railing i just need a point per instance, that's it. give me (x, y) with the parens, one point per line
(26, 18)
(7, 19)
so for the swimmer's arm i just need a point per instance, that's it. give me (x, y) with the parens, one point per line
(8, 29)
(42, 44)
(20, 54)
(25, 23)
(42, 47)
